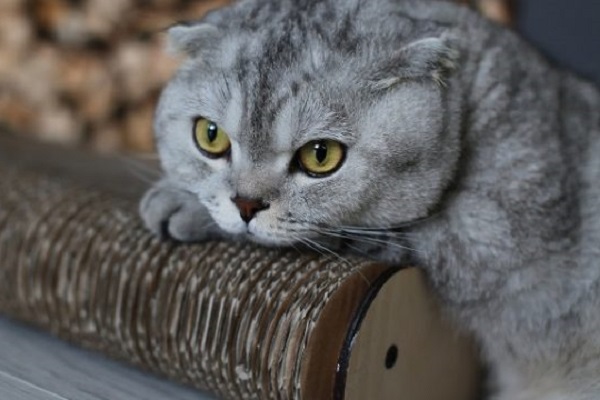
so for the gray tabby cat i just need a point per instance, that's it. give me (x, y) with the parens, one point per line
(409, 131)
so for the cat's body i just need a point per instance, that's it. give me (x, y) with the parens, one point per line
(487, 157)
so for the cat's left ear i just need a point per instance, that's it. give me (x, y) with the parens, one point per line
(430, 58)
(193, 39)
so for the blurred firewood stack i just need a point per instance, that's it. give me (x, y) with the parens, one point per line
(88, 72)
(498, 10)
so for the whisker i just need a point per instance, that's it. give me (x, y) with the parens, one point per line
(400, 235)
(359, 238)
(210, 224)
(310, 246)
(141, 171)
(292, 241)
(368, 236)
(145, 156)
(324, 250)
(396, 228)
(357, 250)
(343, 260)
(141, 177)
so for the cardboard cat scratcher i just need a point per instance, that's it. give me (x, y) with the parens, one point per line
(240, 321)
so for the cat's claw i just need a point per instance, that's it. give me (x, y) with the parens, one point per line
(176, 214)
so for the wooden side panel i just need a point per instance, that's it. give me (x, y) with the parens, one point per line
(404, 350)
(320, 366)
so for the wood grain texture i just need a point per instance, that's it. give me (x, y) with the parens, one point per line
(404, 350)
(34, 366)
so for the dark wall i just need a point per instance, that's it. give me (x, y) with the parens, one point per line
(566, 30)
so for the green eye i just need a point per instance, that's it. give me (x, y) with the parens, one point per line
(321, 157)
(211, 139)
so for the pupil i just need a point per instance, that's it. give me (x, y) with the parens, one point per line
(321, 152)
(213, 130)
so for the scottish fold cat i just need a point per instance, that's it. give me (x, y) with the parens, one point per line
(405, 131)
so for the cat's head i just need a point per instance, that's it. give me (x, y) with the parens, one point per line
(292, 118)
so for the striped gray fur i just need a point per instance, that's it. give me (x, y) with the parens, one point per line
(468, 153)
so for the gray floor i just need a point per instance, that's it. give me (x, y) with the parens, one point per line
(35, 366)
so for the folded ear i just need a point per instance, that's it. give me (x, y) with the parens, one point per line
(193, 39)
(430, 58)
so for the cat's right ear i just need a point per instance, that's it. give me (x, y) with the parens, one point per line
(193, 39)
(431, 58)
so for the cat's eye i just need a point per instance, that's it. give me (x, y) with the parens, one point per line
(321, 157)
(211, 139)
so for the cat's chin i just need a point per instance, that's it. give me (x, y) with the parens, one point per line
(251, 234)
(283, 240)
(264, 240)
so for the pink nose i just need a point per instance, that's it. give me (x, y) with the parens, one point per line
(249, 208)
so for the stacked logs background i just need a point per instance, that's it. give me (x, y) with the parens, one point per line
(88, 72)
(498, 10)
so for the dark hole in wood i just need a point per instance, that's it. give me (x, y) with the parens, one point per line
(391, 357)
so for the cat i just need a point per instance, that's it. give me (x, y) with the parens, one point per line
(408, 132)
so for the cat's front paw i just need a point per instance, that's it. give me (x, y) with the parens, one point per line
(176, 214)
